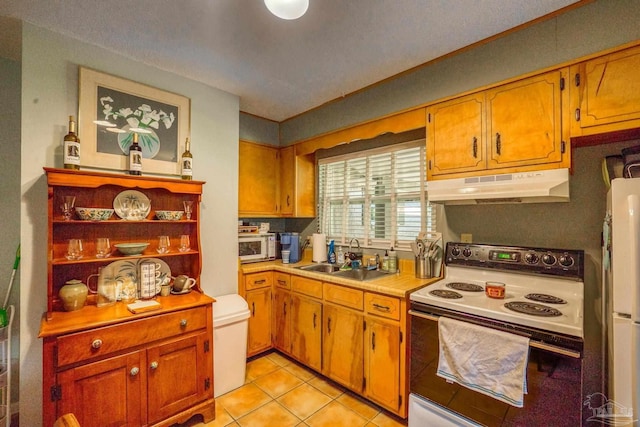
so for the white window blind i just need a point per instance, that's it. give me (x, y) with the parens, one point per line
(377, 196)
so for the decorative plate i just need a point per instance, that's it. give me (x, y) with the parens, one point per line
(132, 205)
(126, 275)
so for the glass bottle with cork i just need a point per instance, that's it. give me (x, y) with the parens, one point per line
(187, 162)
(71, 147)
(135, 156)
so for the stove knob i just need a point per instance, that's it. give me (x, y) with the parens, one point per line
(548, 259)
(566, 260)
(466, 252)
(531, 258)
(455, 251)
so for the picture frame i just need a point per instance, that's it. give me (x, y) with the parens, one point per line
(110, 108)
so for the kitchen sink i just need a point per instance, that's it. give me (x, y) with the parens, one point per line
(360, 274)
(320, 268)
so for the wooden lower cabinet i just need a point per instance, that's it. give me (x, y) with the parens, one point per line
(343, 340)
(306, 331)
(282, 320)
(260, 307)
(382, 363)
(156, 371)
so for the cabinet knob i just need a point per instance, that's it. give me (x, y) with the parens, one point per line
(134, 371)
(96, 344)
(154, 365)
(183, 323)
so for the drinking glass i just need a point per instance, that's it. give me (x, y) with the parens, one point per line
(188, 208)
(74, 249)
(163, 244)
(103, 247)
(67, 207)
(185, 244)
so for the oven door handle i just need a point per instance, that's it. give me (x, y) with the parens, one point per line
(535, 344)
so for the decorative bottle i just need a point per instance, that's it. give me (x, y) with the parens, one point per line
(135, 157)
(71, 147)
(187, 162)
(393, 261)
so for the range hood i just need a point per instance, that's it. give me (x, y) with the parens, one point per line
(522, 187)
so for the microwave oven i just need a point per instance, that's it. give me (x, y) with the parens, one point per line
(257, 247)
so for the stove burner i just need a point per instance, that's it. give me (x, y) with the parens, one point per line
(547, 299)
(468, 287)
(443, 293)
(533, 309)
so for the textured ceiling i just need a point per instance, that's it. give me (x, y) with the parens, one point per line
(281, 68)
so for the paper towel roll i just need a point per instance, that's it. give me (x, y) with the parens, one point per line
(319, 243)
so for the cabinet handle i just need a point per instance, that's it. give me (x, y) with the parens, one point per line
(498, 144)
(96, 344)
(154, 365)
(282, 282)
(253, 309)
(259, 282)
(314, 320)
(577, 114)
(373, 340)
(288, 200)
(134, 371)
(329, 325)
(382, 307)
(183, 323)
(285, 309)
(475, 147)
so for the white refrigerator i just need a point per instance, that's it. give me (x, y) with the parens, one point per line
(621, 266)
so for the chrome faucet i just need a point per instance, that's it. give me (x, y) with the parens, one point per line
(351, 241)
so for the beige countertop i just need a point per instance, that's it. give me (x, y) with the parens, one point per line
(399, 285)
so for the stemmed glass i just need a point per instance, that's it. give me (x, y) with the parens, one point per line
(188, 208)
(74, 249)
(185, 244)
(163, 244)
(103, 247)
(67, 207)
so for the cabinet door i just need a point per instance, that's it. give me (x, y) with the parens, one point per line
(258, 179)
(382, 363)
(524, 122)
(306, 331)
(287, 180)
(609, 92)
(179, 375)
(455, 136)
(260, 321)
(343, 334)
(110, 392)
(282, 320)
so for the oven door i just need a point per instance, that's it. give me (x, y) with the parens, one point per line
(423, 412)
(554, 382)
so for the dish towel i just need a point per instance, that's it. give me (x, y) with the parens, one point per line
(486, 360)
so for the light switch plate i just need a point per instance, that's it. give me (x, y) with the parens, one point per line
(466, 238)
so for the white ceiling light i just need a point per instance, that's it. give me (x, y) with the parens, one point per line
(287, 9)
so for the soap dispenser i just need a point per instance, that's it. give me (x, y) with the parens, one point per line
(331, 255)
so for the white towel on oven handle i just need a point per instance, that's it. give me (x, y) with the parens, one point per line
(486, 360)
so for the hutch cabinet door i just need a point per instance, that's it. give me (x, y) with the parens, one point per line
(110, 392)
(178, 378)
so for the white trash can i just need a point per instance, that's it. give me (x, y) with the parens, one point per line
(230, 327)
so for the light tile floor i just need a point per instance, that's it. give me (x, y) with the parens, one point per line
(279, 392)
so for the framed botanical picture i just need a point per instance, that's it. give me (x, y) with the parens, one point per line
(111, 109)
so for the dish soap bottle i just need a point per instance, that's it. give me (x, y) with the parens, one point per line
(385, 261)
(393, 261)
(331, 256)
(340, 257)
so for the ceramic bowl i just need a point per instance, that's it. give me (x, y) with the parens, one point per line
(169, 215)
(131, 248)
(94, 214)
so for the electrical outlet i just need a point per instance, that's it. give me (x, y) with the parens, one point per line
(466, 238)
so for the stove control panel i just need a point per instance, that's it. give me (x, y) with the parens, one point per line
(567, 263)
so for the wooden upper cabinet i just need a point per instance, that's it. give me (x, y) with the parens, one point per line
(258, 180)
(287, 180)
(606, 93)
(510, 128)
(455, 141)
(524, 122)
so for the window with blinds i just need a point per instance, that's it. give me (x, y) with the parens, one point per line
(377, 196)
